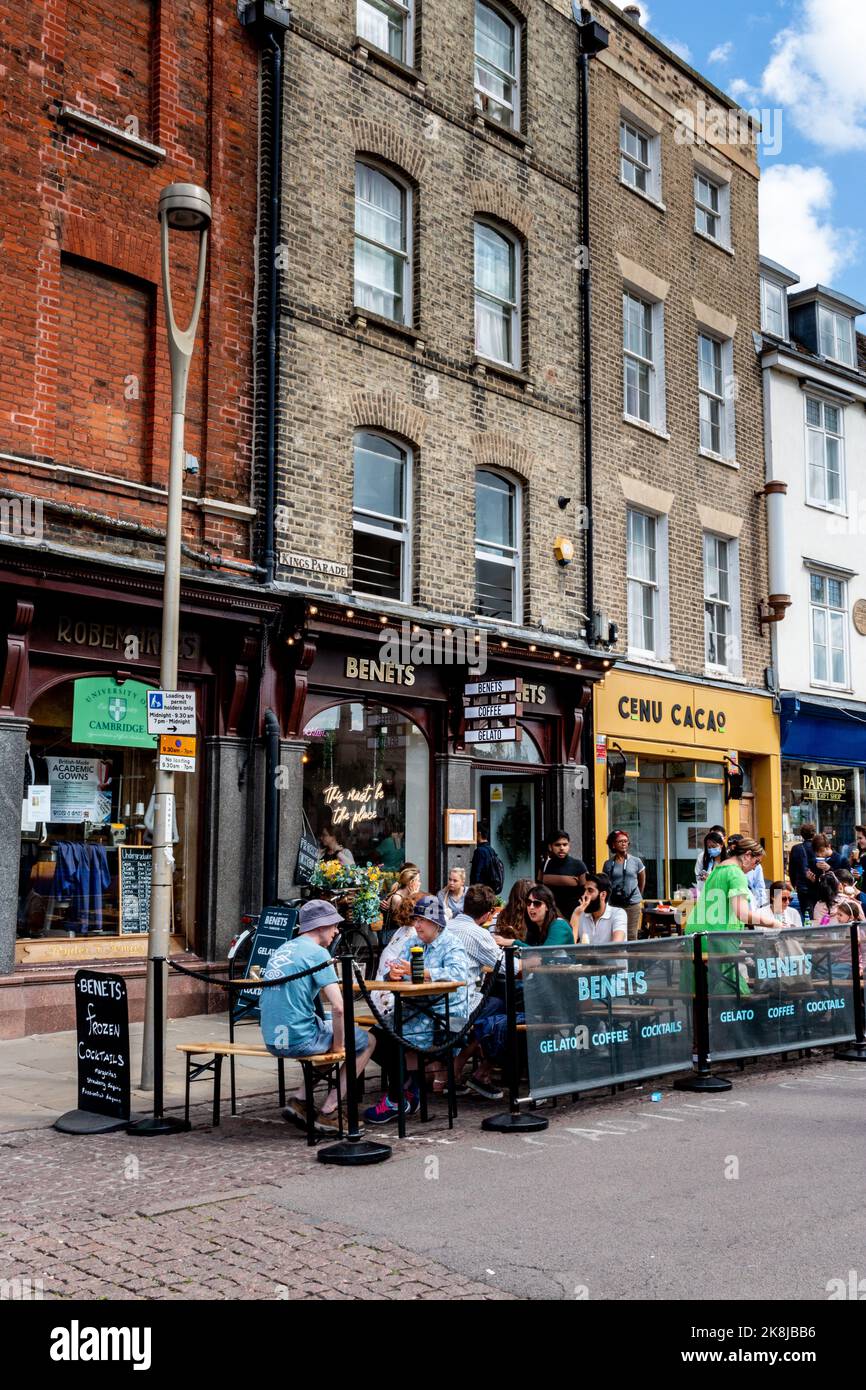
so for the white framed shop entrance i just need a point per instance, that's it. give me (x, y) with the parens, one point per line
(509, 784)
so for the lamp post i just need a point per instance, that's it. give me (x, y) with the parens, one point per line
(183, 207)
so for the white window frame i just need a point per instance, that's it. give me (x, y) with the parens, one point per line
(406, 254)
(365, 521)
(727, 450)
(482, 96)
(485, 550)
(659, 587)
(733, 663)
(768, 283)
(516, 305)
(837, 321)
(828, 609)
(821, 431)
(406, 9)
(655, 363)
(722, 212)
(653, 190)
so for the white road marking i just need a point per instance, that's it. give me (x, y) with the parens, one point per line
(502, 1152)
(654, 1115)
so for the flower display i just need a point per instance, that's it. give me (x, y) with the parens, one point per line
(360, 883)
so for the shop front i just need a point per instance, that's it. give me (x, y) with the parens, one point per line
(673, 759)
(387, 776)
(823, 761)
(79, 765)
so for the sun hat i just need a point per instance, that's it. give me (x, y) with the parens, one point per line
(429, 909)
(317, 913)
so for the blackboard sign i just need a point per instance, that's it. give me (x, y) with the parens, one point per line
(102, 1025)
(308, 857)
(275, 927)
(134, 875)
(596, 1015)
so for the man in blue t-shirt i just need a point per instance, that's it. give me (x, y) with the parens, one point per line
(290, 1025)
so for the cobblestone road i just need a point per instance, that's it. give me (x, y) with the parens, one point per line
(204, 1215)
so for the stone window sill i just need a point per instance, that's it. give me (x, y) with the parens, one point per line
(647, 428)
(483, 365)
(718, 458)
(365, 52)
(107, 134)
(485, 123)
(647, 197)
(365, 318)
(711, 240)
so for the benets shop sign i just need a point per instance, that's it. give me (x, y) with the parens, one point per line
(104, 712)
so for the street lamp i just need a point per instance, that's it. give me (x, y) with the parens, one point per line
(183, 207)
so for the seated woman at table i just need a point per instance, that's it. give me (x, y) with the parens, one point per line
(781, 894)
(444, 959)
(544, 926)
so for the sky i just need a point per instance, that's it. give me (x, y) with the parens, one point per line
(801, 65)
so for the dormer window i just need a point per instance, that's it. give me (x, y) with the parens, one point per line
(836, 333)
(774, 306)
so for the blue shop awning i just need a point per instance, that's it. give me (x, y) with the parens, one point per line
(823, 732)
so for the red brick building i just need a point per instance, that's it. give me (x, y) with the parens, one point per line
(103, 105)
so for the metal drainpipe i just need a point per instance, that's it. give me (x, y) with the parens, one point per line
(586, 324)
(269, 556)
(272, 801)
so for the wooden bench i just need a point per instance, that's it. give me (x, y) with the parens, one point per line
(216, 1051)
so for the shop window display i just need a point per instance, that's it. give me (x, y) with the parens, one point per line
(366, 786)
(87, 816)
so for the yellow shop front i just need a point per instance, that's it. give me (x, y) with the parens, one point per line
(670, 759)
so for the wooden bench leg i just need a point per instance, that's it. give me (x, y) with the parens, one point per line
(451, 1084)
(281, 1073)
(186, 1097)
(217, 1078)
(232, 1085)
(311, 1104)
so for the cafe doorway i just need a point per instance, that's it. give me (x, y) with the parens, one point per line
(511, 803)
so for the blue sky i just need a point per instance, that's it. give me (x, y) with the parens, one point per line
(803, 62)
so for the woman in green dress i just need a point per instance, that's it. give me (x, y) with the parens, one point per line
(724, 905)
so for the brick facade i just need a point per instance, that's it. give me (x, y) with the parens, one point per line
(84, 387)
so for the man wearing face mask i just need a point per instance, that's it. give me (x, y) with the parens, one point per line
(714, 843)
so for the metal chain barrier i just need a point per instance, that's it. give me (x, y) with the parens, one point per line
(454, 1039)
(251, 982)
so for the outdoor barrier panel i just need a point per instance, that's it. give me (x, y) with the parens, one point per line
(774, 990)
(596, 1015)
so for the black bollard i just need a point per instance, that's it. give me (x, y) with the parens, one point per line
(856, 1051)
(702, 1079)
(353, 1150)
(158, 1122)
(516, 1120)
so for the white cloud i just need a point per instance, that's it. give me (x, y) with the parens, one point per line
(721, 53)
(816, 70)
(795, 225)
(743, 92)
(682, 50)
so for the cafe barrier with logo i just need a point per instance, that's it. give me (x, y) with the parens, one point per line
(599, 1015)
(771, 991)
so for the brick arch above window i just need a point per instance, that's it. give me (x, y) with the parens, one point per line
(383, 410)
(499, 449)
(133, 253)
(491, 199)
(381, 141)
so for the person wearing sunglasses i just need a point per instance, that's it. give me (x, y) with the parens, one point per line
(544, 926)
(781, 894)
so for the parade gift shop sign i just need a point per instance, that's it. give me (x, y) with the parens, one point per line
(80, 790)
(274, 929)
(774, 990)
(135, 879)
(102, 1024)
(818, 786)
(171, 712)
(600, 1014)
(107, 713)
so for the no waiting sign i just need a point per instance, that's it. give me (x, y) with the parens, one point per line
(171, 712)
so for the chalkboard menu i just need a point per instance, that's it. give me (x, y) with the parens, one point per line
(102, 1024)
(275, 927)
(134, 877)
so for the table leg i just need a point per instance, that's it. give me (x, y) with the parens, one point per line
(422, 1088)
(452, 1099)
(217, 1077)
(186, 1103)
(401, 1068)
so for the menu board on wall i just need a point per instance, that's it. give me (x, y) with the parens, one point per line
(134, 884)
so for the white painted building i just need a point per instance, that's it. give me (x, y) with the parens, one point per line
(814, 368)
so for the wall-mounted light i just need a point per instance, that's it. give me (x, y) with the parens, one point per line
(563, 551)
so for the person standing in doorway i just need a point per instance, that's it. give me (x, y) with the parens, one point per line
(486, 866)
(803, 870)
(563, 874)
(627, 875)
